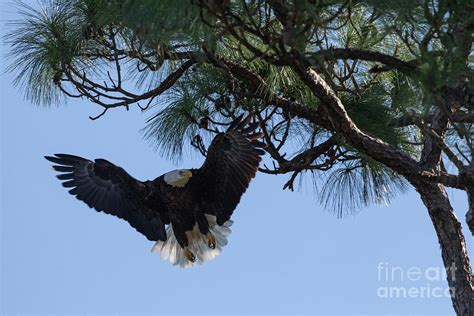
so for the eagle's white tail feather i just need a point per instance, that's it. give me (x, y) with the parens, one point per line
(220, 239)
(172, 251)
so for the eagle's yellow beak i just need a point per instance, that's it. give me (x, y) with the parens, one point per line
(186, 173)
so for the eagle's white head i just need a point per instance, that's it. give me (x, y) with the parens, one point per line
(178, 178)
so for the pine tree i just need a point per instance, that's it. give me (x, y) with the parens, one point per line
(367, 97)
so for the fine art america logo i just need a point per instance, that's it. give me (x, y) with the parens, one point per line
(413, 282)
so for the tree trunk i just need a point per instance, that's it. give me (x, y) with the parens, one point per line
(453, 246)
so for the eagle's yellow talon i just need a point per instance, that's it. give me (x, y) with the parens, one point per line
(211, 240)
(191, 257)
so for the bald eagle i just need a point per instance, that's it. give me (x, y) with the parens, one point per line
(186, 212)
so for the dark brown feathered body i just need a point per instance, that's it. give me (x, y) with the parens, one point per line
(209, 193)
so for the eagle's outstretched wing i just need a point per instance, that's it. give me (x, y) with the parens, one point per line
(231, 163)
(110, 189)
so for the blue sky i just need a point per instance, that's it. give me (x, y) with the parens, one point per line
(286, 255)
